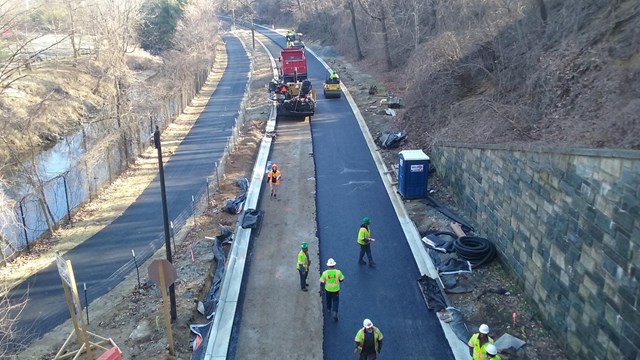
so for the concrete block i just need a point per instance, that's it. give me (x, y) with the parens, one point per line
(611, 166)
(574, 342)
(624, 219)
(631, 334)
(628, 350)
(588, 288)
(602, 344)
(587, 261)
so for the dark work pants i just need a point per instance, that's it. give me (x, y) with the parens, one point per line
(303, 277)
(333, 300)
(368, 356)
(365, 249)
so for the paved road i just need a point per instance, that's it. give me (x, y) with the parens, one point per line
(349, 187)
(102, 261)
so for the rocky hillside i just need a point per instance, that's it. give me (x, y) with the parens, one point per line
(547, 72)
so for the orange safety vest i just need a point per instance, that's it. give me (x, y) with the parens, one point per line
(274, 177)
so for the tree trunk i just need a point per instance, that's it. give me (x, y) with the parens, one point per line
(121, 128)
(385, 37)
(352, 10)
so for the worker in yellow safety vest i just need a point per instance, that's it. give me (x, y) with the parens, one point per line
(478, 343)
(334, 77)
(303, 265)
(274, 180)
(368, 341)
(492, 352)
(365, 240)
(330, 280)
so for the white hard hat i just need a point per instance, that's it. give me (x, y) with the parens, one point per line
(331, 262)
(484, 329)
(491, 349)
(367, 324)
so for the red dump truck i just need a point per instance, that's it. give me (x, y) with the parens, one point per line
(293, 65)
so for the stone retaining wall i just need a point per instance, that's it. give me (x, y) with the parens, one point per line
(567, 225)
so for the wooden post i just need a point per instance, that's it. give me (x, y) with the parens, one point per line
(83, 327)
(165, 309)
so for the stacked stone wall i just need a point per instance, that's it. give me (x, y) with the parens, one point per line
(567, 225)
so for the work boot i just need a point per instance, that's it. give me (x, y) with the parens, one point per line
(304, 289)
(372, 264)
(362, 262)
(335, 316)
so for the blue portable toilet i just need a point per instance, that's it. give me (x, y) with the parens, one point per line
(413, 171)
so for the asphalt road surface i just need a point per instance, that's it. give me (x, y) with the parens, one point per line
(105, 259)
(349, 188)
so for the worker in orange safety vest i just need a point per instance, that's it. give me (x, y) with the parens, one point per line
(274, 180)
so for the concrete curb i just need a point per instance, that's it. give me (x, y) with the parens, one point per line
(425, 264)
(220, 332)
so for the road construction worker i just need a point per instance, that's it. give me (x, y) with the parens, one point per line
(492, 352)
(291, 36)
(365, 240)
(334, 76)
(368, 341)
(303, 265)
(274, 180)
(478, 343)
(330, 280)
(274, 85)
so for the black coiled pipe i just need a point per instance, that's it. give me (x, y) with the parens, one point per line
(478, 251)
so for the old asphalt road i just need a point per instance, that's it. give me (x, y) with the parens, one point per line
(277, 319)
(99, 262)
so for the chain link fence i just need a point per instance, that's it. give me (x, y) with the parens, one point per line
(38, 213)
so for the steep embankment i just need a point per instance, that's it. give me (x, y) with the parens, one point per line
(563, 73)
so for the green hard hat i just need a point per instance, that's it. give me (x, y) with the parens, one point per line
(365, 220)
(304, 245)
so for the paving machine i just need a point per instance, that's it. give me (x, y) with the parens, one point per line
(296, 99)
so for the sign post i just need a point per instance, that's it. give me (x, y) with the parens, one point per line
(163, 273)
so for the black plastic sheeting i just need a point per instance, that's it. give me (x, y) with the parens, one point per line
(450, 266)
(251, 219)
(209, 305)
(441, 241)
(199, 332)
(389, 140)
(436, 302)
(235, 206)
(432, 294)
(455, 319)
(466, 227)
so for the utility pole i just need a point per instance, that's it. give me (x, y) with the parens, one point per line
(165, 215)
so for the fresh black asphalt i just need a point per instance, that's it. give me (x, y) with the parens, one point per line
(349, 188)
(105, 259)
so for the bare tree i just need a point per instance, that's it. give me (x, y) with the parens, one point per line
(376, 9)
(352, 11)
